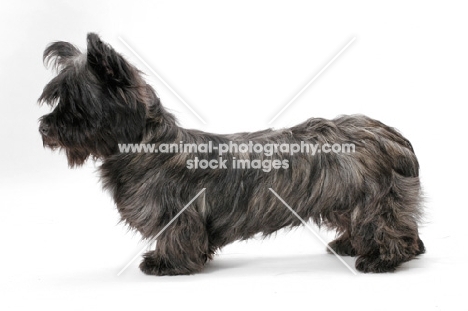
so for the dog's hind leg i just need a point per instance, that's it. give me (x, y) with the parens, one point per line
(342, 245)
(387, 232)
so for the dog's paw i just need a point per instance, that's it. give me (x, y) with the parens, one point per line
(341, 247)
(150, 266)
(374, 264)
(156, 266)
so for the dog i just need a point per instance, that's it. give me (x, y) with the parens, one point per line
(372, 197)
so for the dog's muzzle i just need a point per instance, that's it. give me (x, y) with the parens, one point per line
(47, 138)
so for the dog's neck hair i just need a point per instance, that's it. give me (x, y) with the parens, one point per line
(160, 124)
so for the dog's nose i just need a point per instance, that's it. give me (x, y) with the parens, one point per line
(43, 129)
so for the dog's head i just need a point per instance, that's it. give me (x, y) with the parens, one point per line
(98, 101)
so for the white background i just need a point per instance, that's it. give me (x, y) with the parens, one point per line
(237, 64)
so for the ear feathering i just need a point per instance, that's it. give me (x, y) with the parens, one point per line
(59, 53)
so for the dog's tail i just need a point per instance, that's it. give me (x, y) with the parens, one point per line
(390, 141)
(400, 150)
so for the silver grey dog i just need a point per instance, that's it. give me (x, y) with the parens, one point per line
(371, 197)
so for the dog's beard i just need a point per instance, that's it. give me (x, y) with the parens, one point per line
(75, 157)
(48, 142)
(76, 154)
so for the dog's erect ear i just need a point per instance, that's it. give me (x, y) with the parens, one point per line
(106, 63)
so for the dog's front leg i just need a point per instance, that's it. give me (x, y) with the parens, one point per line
(181, 249)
